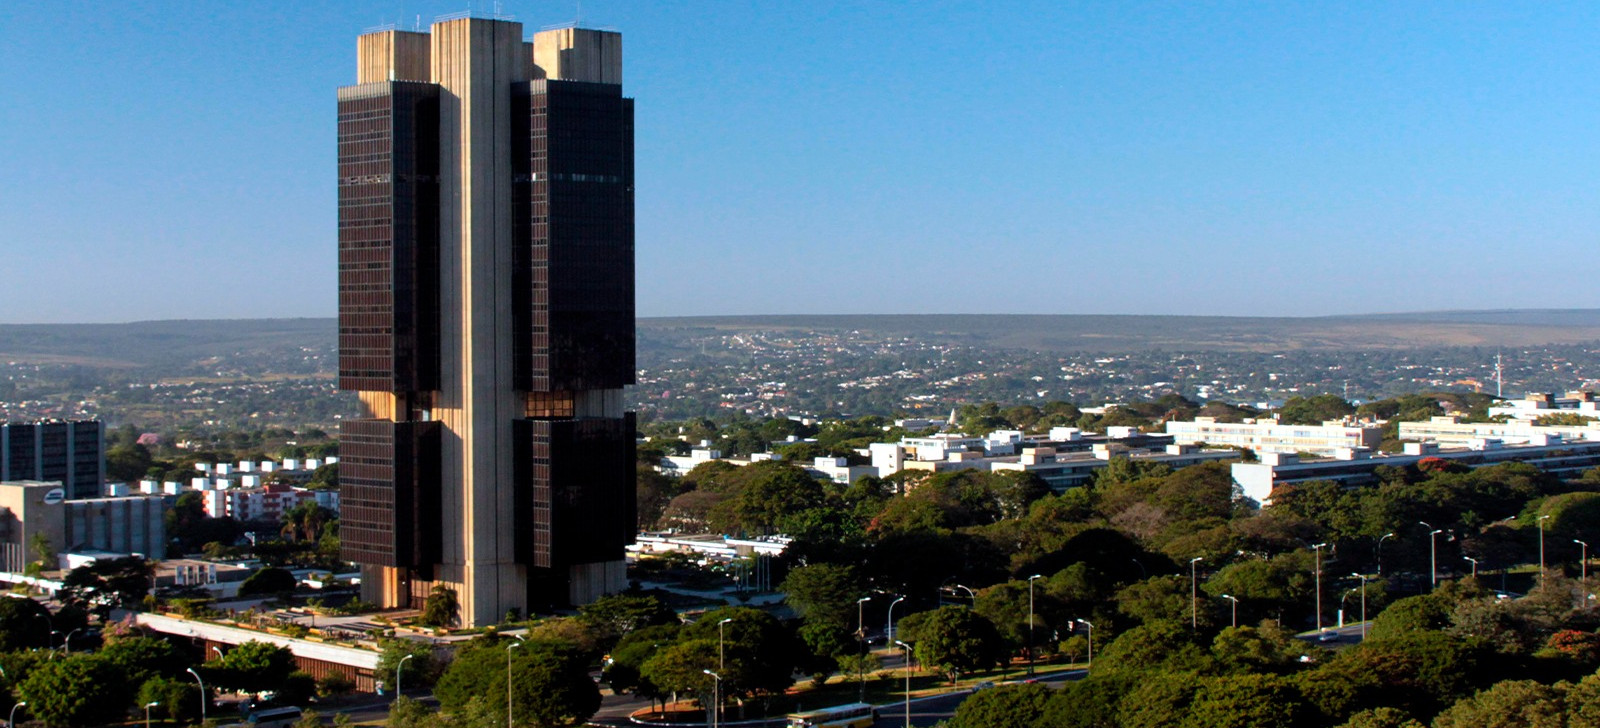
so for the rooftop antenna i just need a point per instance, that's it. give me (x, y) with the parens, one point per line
(416, 27)
(1499, 378)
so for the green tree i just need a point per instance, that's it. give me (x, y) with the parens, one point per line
(614, 616)
(1508, 704)
(1314, 410)
(251, 667)
(143, 658)
(22, 624)
(825, 593)
(1162, 645)
(405, 712)
(268, 580)
(624, 671)
(128, 462)
(956, 640)
(177, 700)
(1382, 718)
(442, 608)
(77, 690)
(109, 583)
(419, 668)
(1007, 706)
(680, 668)
(550, 683)
(1246, 701)
(758, 654)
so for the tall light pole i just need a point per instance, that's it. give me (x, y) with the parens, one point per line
(204, 696)
(1474, 565)
(1318, 547)
(1541, 549)
(1031, 579)
(1433, 553)
(1085, 623)
(509, 711)
(1194, 594)
(397, 669)
(66, 646)
(1363, 578)
(51, 624)
(720, 663)
(716, 699)
(12, 721)
(861, 636)
(1234, 606)
(1380, 551)
(907, 648)
(1583, 565)
(888, 631)
(147, 707)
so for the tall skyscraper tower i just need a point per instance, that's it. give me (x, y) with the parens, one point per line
(486, 315)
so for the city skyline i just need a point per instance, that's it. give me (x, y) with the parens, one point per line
(1250, 160)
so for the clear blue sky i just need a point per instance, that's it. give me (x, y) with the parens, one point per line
(176, 159)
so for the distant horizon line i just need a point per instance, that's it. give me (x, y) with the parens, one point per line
(1430, 312)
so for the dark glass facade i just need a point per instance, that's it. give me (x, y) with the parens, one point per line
(574, 277)
(575, 490)
(570, 327)
(71, 452)
(389, 493)
(389, 237)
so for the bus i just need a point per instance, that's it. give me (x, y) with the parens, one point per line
(854, 715)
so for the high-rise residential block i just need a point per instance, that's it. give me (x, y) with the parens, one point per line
(486, 308)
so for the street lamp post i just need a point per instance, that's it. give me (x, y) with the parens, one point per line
(861, 636)
(888, 631)
(720, 662)
(1194, 594)
(509, 711)
(1380, 551)
(1433, 553)
(66, 645)
(1363, 578)
(1318, 547)
(147, 707)
(1031, 579)
(1474, 565)
(1583, 565)
(397, 669)
(51, 624)
(1234, 607)
(204, 696)
(1541, 548)
(1085, 623)
(12, 721)
(907, 648)
(716, 699)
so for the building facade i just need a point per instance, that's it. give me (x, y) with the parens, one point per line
(70, 452)
(1326, 439)
(486, 310)
(38, 513)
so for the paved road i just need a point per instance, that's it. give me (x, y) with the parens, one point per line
(925, 712)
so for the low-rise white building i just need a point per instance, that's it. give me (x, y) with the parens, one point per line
(1451, 431)
(1324, 439)
(1539, 404)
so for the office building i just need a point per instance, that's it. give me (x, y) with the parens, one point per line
(70, 452)
(486, 313)
(1325, 439)
(39, 512)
